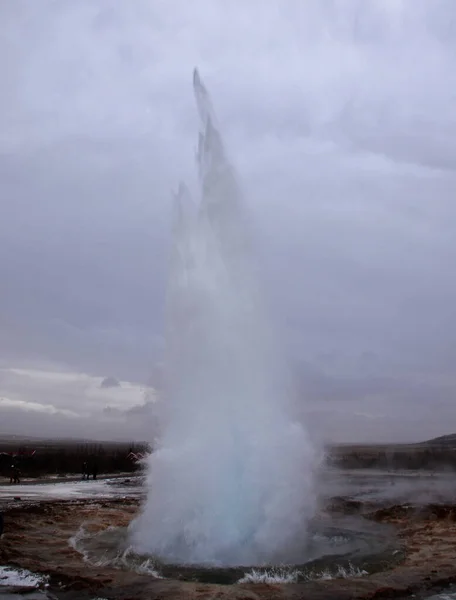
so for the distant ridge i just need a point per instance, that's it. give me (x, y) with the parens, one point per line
(443, 440)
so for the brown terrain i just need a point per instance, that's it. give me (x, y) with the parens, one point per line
(62, 457)
(37, 539)
(434, 454)
(37, 458)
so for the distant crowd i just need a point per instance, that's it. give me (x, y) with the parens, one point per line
(62, 461)
(88, 471)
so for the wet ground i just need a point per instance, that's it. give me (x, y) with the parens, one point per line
(69, 487)
(73, 535)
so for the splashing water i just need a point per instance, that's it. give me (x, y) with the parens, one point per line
(231, 482)
(291, 575)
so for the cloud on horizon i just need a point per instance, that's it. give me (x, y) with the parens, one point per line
(59, 403)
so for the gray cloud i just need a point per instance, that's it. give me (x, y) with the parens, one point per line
(340, 118)
(66, 403)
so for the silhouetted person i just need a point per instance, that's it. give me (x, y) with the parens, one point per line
(14, 475)
(85, 470)
(94, 470)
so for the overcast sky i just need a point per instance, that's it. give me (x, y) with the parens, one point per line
(340, 118)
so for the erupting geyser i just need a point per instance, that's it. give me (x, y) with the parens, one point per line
(231, 482)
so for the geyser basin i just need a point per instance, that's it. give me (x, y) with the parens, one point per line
(38, 536)
(346, 548)
(231, 481)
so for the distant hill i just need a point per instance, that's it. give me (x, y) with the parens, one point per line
(444, 440)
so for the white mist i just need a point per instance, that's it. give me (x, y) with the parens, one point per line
(231, 482)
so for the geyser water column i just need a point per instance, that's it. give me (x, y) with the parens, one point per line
(231, 481)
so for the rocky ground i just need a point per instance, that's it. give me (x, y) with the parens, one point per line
(37, 538)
